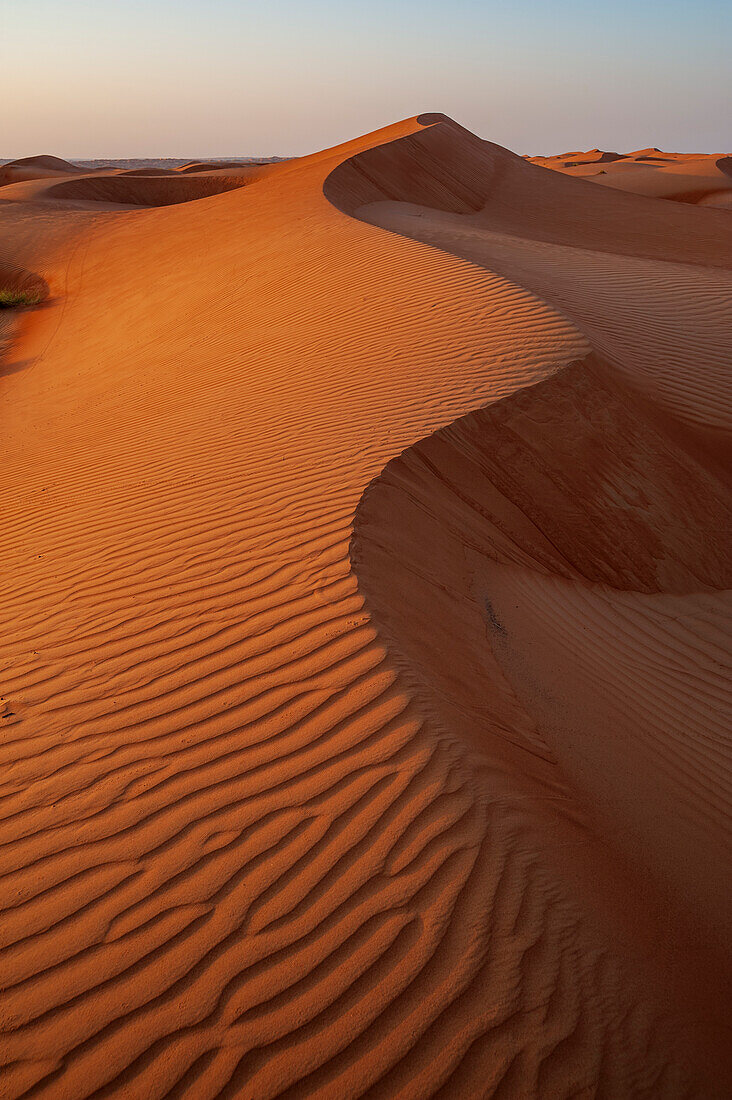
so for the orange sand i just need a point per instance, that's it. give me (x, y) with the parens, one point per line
(684, 177)
(35, 168)
(364, 720)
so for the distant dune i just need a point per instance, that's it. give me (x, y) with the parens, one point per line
(366, 628)
(53, 164)
(32, 168)
(137, 189)
(683, 177)
(114, 186)
(222, 165)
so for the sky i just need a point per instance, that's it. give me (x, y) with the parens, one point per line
(206, 78)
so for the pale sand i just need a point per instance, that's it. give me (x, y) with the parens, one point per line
(365, 634)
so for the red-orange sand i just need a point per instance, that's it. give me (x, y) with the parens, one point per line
(365, 720)
(705, 179)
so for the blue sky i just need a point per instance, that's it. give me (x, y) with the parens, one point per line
(98, 78)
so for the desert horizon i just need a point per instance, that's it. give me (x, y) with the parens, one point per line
(698, 178)
(365, 710)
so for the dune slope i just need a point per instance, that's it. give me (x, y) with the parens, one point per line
(282, 812)
(33, 168)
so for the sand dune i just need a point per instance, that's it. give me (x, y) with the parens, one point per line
(150, 189)
(32, 168)
(231, 166)
(134, 172)
(682, 177)
(119, 187)
(364, 723)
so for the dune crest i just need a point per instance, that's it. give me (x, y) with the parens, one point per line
(290, 498)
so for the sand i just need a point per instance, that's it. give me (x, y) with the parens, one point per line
(364, 722)
(34, 168)
(704, 179)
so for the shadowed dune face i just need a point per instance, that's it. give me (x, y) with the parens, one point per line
(599, 494)
(518, 529)
(447, 169)
(137, 189)
(528, 531)
(203, 166)
(246, 166)
(439, 169)
(147, 172)
(345, 748)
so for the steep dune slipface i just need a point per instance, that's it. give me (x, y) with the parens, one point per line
(590, 552)
(447, 169)
(645, 744)
(266, 832)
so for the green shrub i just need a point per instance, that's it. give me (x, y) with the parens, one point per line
(15, 299)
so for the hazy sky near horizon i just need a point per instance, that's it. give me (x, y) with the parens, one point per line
(126, 78)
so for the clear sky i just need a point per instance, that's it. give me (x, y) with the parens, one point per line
(126, 78)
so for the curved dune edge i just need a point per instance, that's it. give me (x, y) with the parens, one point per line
(134, 188)
(238, 855)
(593, 255)
(548, 577)
(460, 546)
(150, 189)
